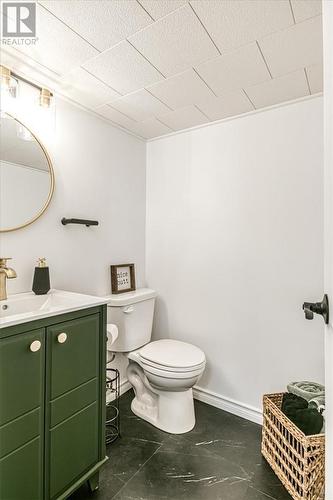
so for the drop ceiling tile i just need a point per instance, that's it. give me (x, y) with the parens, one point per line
(304, 9)
(181, 90)
(315, 78)
(135, 112)
(86, 89)
(161, 8)
(102, 23)
(231, 104)
(282, 89)
(150, 128)
(182, 118)
(175, 42)
(140, 105)
(232, 23)
(115, 116)
(57, 46)
(294, 48)
(123, 68)
(237, 69)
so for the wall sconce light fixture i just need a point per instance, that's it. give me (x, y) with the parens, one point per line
(9, 82)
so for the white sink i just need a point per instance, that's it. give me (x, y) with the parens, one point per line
(23, 307)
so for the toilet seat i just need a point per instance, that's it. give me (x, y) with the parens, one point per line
(172, 355)
(171, 359)
(151, 365)
(163, 373)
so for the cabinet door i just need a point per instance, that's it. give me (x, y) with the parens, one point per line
(21, 415)
(73, 401)
(74, 351)
(73, 448)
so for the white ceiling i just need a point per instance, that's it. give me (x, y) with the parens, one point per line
(156, 66)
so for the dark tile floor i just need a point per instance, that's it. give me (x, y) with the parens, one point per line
(219, 459)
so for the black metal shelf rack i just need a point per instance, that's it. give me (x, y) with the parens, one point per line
(112, 406)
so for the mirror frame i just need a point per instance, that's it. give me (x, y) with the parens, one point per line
(51, 191)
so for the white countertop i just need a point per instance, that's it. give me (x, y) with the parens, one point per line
(23, 307)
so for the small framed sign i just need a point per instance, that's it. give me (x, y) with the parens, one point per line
(122, 278)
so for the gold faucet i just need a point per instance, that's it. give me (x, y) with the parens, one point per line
(5, 273)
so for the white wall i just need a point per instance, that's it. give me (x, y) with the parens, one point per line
(99, 174)
(234, 246)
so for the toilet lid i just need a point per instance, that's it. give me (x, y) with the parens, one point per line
(172, 353)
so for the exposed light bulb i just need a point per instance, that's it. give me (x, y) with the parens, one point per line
(45, 97)
(9, 84)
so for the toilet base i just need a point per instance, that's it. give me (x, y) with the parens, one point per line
(169, 411)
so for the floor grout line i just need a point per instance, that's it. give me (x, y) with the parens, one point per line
(130, 479)
(263, 493)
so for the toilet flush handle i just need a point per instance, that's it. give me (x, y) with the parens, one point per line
(128, 309)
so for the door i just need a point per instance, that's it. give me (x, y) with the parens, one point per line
(73, 411)
(22, 415)
(328, 169)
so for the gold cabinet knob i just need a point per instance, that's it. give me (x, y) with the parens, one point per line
(35, 346)
(62, 337)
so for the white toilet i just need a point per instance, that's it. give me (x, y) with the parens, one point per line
(163, 372)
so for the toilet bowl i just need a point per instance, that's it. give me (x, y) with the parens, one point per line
(163, 372)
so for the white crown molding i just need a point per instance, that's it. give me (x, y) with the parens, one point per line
(237, 117)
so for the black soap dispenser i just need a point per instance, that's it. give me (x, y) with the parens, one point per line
(41, 282)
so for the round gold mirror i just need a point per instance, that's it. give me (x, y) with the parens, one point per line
(26, 175)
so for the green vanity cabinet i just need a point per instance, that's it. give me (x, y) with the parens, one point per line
(52, 405)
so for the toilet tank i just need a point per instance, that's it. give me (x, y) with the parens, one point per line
(133, 314)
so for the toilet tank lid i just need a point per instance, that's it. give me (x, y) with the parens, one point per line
(127, 298)
(172, 353)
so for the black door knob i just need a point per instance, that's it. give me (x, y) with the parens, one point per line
(322, 308)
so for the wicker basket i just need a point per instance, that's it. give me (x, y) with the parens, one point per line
(298, 460)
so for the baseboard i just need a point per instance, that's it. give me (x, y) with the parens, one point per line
(230, 405)
(212, 398)
(125, 386)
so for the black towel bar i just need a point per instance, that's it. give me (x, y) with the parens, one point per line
(86, 222)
